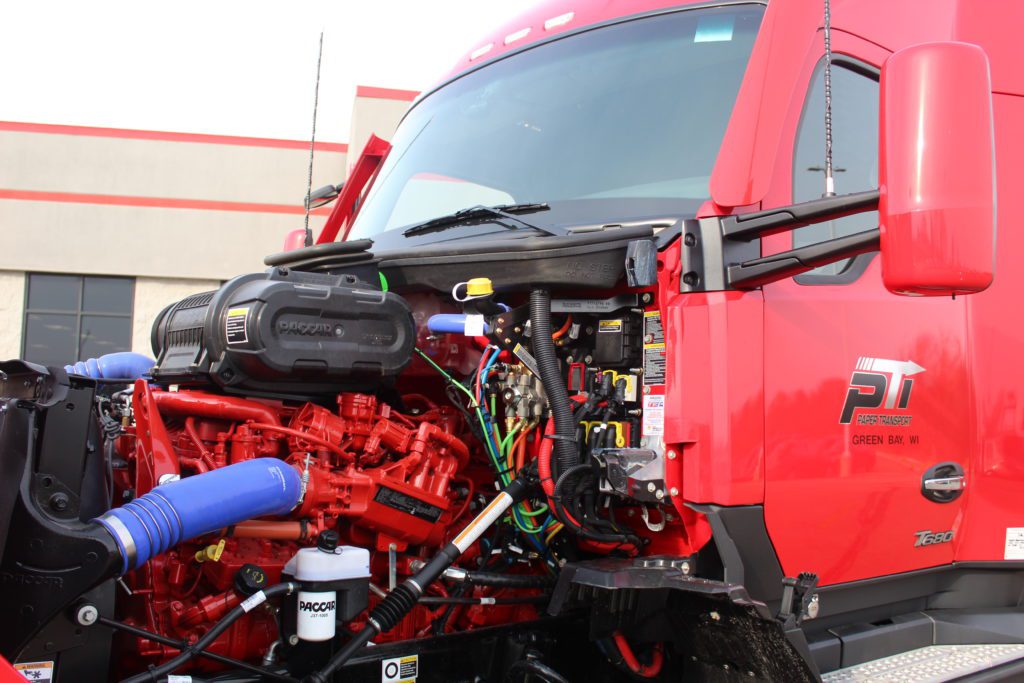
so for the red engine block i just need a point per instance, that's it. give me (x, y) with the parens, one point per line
(391, 482)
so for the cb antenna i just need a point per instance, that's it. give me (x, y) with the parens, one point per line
(312, 140)
(830, 183)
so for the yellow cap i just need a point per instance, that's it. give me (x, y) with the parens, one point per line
(211, 553)
(479, 286)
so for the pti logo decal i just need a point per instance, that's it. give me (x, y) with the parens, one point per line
(878, 383)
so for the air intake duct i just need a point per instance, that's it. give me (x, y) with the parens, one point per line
(181, 510)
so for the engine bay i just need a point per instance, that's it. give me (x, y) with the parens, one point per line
(402, 418)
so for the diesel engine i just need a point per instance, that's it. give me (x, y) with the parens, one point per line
(314, 463)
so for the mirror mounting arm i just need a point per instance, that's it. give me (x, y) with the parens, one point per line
(749, 226)
(795, 261)
(721, 253)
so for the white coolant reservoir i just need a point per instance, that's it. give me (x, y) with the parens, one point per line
(333, 579)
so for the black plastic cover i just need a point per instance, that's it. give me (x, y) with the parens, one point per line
(285, 332)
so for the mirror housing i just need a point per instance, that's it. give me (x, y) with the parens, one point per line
(937, 171)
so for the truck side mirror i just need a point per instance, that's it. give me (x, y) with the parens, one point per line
(937, 171)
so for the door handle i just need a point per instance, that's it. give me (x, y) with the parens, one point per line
(944, 482)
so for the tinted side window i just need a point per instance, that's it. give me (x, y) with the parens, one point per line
(854, 157)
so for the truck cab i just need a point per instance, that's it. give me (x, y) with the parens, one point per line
(737, 280)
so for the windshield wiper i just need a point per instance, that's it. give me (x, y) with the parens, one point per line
(506, 211)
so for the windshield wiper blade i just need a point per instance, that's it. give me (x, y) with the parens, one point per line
(506, 211)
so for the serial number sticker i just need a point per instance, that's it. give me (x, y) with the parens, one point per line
(235, 325)
(35, 671)
(400, 669)
(179, 679)
(1014, 548)
(609, 326)
(654, 415)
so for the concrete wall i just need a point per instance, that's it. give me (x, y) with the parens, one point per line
(64, 237)
(12, 310)
(178, 212)
(376, 111)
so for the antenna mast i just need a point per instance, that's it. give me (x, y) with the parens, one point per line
(830, 183)
(312, 140)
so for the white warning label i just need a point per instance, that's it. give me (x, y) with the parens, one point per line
(654, 415)
(400, 669)
(235, 325)
(36, 671)
(1014, 548)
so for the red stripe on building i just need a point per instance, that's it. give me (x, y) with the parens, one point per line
(155, 202)
(386, 93)
(128, 133)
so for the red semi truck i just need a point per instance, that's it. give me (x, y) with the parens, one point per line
(661, 342)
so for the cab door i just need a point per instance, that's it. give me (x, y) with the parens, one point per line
(867, 420)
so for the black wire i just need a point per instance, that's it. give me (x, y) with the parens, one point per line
(181, 645)
(190, 651)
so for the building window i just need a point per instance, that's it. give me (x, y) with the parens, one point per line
(73, 317)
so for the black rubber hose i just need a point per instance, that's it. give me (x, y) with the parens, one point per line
(533, 667)
(231, 617)
(566, 449)
(507, 580)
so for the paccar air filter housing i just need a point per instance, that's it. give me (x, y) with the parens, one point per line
(284, 332)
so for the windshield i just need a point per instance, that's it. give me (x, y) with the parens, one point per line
(613, 120)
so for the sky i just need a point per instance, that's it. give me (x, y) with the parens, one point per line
(225, 66)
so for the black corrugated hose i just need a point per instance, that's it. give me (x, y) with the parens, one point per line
(566, 450)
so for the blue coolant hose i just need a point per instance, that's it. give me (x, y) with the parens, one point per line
(125, 365)
(180, 510)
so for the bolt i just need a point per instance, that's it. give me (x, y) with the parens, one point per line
(671, 455)
(725, 667)
(508, 340)
(500, 331)
(631, 512)
(813, 607)
(293, 639)
(690, 239)
(674, 491)
(669, 518)
(59, 502)
(651, 487)
(685, 568)
(647, 298)
(715, 616)
(87, 615)
(659, 494)
(588, 359)
(691, 279)
(648, 338)
(647, 390)
(590, 329)
(517, 329)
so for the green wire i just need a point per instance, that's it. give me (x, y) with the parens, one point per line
(498, 464)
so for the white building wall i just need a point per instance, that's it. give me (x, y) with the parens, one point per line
(12, 312)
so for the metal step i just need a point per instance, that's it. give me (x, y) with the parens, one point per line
(932, 664)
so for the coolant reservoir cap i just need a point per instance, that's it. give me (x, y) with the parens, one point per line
(327, 541)
(479, 286)
(250, 579)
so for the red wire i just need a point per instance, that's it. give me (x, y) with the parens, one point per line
(646, 670)
(560, 332)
